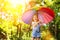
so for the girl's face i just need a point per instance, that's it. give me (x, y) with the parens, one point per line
(35, 18)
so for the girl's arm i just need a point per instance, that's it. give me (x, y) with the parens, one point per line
(34, 24)
(41, 23)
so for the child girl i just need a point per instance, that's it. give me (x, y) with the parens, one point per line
(36, 28)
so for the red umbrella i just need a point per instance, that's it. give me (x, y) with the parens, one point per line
(44, 14)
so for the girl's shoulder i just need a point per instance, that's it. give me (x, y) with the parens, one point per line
(34, 22)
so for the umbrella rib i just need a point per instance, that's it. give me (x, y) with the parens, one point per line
(48, 17)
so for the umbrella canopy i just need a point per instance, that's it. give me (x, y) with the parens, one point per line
(27, 16)
(44, 14)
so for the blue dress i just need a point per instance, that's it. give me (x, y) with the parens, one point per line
(36, 31)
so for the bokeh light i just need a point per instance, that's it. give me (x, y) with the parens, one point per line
(13, 9)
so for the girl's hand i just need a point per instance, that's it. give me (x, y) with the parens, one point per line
(39, 22)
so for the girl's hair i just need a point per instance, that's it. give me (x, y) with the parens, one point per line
(36, 16)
